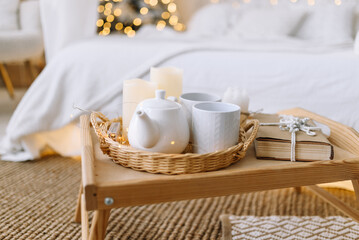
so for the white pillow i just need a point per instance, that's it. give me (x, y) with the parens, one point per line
(8, 14)
(328, 24)
(268, 23)
(211, 20)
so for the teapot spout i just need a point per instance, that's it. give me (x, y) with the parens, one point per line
(147, 131)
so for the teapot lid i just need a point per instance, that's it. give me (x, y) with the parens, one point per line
(159, 102)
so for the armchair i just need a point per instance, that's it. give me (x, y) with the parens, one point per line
(22, 44)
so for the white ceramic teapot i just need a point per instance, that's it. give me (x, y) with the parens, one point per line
(159, 125)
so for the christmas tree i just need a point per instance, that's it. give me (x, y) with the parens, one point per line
(127, 16)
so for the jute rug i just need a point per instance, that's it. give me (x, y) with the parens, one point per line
(37, 201)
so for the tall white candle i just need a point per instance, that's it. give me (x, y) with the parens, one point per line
(134, 92)
(169, 79)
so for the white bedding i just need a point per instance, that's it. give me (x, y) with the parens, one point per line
(277, 75)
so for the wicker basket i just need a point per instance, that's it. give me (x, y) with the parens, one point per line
(185, 163)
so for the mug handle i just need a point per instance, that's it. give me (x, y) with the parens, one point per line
(253, 123)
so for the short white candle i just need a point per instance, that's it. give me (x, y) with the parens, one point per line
(168, 79)
(237, 96)
(134, 92)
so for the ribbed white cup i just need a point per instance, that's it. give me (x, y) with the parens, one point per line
(215, 126)
(190, 99)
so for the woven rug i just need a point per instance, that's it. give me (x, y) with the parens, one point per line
(288, 227)
(37, 201)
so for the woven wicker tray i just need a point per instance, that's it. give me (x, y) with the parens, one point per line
(185, 163)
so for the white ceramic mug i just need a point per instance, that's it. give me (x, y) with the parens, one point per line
(215, 126)
(189, 99)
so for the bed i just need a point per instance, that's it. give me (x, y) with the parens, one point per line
(86, 71)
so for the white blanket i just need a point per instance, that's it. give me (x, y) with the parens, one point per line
(89, 74)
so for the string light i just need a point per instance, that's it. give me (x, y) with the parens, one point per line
(173, 20)
(144, 10)
(106, 31)
(179, 27)
(100, 8)
(311, 2)
(153, 2)
(165, 15)
(127, 29)
(99, 23)
(274, 2)
(131, 33)
(110, 18)
(137, 21)
(118, 26)
(117, 12)
(107, 12)
(161, 25)
(172, 7)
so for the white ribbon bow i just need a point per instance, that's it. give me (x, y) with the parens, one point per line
(293, 125)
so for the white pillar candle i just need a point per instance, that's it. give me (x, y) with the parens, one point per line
(134, 92)
(168, 79)
(237, 96)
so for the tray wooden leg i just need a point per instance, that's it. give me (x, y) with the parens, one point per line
(356, 189)
(335, 202)
(77, 217)
(99, 224)
(84, 219)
